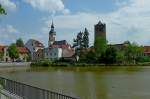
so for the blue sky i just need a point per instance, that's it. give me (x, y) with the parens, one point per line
(125, 19)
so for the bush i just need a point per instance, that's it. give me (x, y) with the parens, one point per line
(44, 62)
(61, 64)
(143, 59)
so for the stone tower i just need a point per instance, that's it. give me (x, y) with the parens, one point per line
(100, 30)
(52, 35)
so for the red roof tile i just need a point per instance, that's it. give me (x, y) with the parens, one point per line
(2, 48)
(146, 49)
(60, 46)
(22, 50)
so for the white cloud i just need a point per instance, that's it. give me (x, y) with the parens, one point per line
(66, 11)
(48, 5)
(10, 29)
(67, 26)
(8, 4)
(129, 22)
(9, 34)
(121, 2)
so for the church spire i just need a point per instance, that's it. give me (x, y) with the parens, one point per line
(52, 35)
(52, 31)
(52, 26)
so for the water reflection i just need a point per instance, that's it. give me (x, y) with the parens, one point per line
(90, 83)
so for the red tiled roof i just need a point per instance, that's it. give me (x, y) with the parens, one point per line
(146, 49)
(2, 48)
(60, 46)
(22, 50)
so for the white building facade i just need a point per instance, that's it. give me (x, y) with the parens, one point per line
(53, 53)
(33, 46)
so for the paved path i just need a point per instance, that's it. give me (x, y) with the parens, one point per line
(7, 67)
(12, 64)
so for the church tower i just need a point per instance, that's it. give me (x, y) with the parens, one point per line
(100, 30)
(52, 35)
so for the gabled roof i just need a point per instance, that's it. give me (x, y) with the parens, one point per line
(60, 46)
(36, 43)
(146, 49)
(23, 50)
(2, 48)
(20, 49)
(62, 42)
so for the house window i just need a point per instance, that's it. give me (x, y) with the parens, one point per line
(50, 54)
(55, 54)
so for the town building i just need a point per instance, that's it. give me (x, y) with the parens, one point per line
(120, 46)
(52, 35)
(23, 53)
(38, 55)
(100, 30)
(33, 46)
(57, 49)
(147, 50)
(4, 55)
(53, 53)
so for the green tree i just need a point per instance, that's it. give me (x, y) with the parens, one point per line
(28, 57)
(100, 46)
(133, 52)
(2, 10)
(19, 42)
(143, 59)
(13, 52)
(120, 56)
(111, 55)
(1, 55)
(85, 38)
(78, 42)
(91, 57)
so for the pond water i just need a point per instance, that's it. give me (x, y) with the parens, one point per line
(89, 83)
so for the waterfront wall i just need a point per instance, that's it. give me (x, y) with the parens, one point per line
(15, 64)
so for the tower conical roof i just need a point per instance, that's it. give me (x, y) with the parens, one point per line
(99, 23)
(52, 31)
(52, 26)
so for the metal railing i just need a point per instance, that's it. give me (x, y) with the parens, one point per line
(7, 95)
(30, 92)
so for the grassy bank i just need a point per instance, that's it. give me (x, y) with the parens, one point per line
(65, 64)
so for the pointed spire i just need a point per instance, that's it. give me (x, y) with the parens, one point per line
(52, 31)
(52, 26)
(99, 22)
